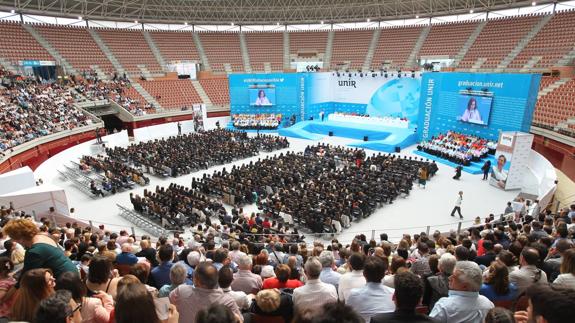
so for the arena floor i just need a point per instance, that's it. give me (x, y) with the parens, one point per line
(423, 207)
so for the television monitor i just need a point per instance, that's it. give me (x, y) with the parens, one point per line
(474, 108)
(263, 97)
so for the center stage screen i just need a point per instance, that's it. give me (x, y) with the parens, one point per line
(262, 97)
(474, 108)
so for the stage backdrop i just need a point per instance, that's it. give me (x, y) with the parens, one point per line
(503, 102)
(308, 94)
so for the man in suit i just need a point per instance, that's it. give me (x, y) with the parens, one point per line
(407, 295)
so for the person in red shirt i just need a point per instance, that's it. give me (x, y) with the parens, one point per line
(267, 224)
(282, 280)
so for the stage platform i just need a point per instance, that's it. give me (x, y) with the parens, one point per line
(380, 138)
(474, 168)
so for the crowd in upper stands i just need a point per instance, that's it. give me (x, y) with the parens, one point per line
(184, 154)
(257, 121)
(31, 108)
(82, 274)
(458, 148)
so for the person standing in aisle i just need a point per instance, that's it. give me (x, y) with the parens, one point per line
(457, 206)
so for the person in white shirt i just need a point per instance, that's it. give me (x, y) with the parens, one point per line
(567, 276)
(464, 304)
(314, 293)
(262, 98)
(457, 206)
(352, 279)
(235, 254)
(374, 298)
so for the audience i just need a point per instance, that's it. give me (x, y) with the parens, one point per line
(36, 285)
(549, 304)
(315, 292)
(528, 272)
(59, 308)
(567, 276)
(257, 121)
(354, 278)
(496, 286)
(458, 148)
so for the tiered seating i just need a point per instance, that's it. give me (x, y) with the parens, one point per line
(497, 39)
(350, 46)
(302, 43)
(217, 90)
(223, 48)
(80, 57)
(447, 39)
(395, 45)
(176, 46)
(556, 106)
(552, 42)
(18, 44)
(173, 94)
(265, 48)
(546, 81)
(131, 49)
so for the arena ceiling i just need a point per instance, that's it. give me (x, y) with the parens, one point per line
(255, 12)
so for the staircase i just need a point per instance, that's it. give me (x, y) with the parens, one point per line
(201, 52)
(203, 95)
(567, 59)
(522, 43)
(530, 63)
(8, 66)
(552, 87)
(138, 87)
(245, 54)
(411, 61)
(119, 68)
(371, 50)
(68, 69)
(155, 50)
(145, 72)
(100, 73)
(470, 41)
(328, 47)
(478, 63)
(286, 51)
(268, 67)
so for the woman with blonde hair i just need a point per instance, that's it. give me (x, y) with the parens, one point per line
(272, 302)
(41, 250)
(36, 285)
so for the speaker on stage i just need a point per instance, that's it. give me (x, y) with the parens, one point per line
(364, 138)
(397, 149)
(331, 133)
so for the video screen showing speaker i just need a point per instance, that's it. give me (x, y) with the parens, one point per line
(263, 97)
(474, 108)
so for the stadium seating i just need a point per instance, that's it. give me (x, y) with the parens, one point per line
(80, 57)
(222, 48)
(394, 47)
(175, 46)
(173, 94)
(350, 47)
(217, 90)
(497, 39)
(19, 44)
(265, 48)
(556, 106)
(447, 39)
(131, 49)
(303, 44)
(552, 42)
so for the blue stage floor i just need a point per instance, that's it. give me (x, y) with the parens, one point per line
(474, 168)
(380, 138)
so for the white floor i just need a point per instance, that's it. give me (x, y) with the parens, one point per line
(423, 207)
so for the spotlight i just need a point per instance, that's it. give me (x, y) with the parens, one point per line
(368, 20)
(349, 74)
(533, 3)
(373, 74)
(135, 21)
(185, 23)
(360, 74)
(412, 74)
(12, 11)
(398, 75)
(471, 11)
(232, 24)
(385, 75)
(321, 22)
(79, 17)
(417, 17)
(338, 74)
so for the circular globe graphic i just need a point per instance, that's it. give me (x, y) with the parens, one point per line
(398, 97)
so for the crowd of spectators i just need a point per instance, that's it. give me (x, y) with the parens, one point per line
(30, 109)
(459, 148)
(506, 271)
(324, 188)
(178, 155)
(257, 121)
(115, 176)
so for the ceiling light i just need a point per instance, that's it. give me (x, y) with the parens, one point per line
(185, 23)
(417, 17)
(135, 21)
(533, 3)
(12, 11)
(368, 20)
(232, 24)
(471, 11)
(321, 22)
(79, 17)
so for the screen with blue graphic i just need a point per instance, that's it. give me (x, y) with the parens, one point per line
(262, 97)
(442, 103)
(474, 108)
